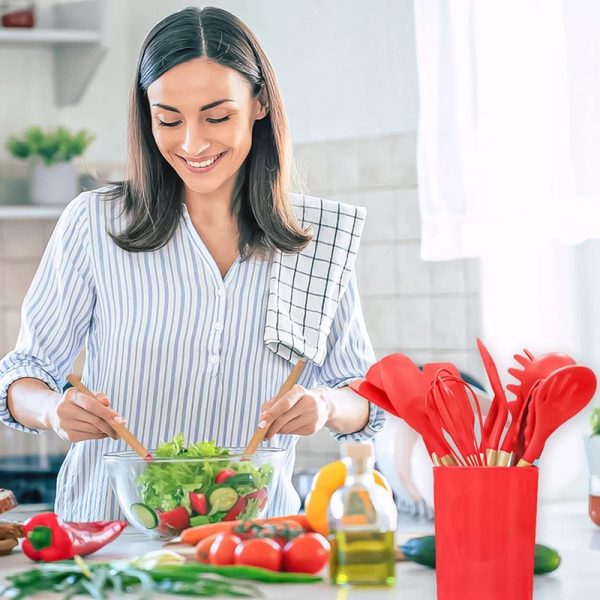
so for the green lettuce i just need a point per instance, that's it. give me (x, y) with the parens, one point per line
(166, 485)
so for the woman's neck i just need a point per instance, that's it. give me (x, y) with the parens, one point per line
(214, 209)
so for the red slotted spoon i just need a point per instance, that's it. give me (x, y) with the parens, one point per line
(560, 396)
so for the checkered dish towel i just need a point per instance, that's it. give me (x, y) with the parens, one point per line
(305, 288)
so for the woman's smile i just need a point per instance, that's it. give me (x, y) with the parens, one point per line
(202, 166)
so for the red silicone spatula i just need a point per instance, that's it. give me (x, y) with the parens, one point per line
(498, 413)
(561, 396)
(373, 394)
(407, 390)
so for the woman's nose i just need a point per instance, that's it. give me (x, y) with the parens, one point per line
(194, 143)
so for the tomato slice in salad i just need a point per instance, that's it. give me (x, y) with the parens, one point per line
(175, 520)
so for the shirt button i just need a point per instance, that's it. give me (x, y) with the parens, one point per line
(220, 293)
(213, 359)
(218, 326)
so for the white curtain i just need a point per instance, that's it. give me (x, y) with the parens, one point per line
(509, 125)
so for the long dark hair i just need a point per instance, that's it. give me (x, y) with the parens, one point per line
(153, 191)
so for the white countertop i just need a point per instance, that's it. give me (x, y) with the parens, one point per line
(565, 527)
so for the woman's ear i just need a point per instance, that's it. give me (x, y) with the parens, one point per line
(263, 105)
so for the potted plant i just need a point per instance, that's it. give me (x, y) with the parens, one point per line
(54, 178)
(592, 447)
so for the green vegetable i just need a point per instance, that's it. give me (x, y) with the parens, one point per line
(98, 579)
(199, 520)
(165, 486)
(245, 572)
(145, 515)
(422, 550)
(222, 498)
(595, 421)
(52, 146)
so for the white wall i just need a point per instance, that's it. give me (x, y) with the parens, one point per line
(346, 69)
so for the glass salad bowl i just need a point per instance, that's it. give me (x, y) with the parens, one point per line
(168, 494)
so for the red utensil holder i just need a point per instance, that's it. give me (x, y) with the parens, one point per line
(485, 519)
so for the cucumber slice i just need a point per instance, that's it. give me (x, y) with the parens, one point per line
(199, 520)
(145, 515)
(221, 499)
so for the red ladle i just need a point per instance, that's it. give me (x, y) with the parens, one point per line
(560, 396)
(534, 369)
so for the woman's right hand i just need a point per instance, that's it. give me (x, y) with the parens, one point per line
(77, 417)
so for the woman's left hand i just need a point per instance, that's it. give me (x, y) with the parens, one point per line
(299, 412)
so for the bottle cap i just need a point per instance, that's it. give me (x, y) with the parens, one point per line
(357, 449)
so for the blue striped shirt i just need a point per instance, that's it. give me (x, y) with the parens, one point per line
(173, 344)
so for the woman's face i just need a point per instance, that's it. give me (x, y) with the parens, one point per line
(202, 119)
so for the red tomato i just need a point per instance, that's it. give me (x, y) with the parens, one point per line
(173, 521)
(307, 553)
(259, 552)
(222, 549)
(223, 475)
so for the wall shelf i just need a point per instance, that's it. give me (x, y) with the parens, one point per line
(29, 211)
(75, 33)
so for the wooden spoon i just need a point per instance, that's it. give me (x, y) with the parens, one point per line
(120, 428)
(259, 434)
(561, 396)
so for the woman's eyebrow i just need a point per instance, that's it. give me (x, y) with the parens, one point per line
(205, 107)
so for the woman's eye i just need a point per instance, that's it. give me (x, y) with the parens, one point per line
(165, 124)
(218, 120)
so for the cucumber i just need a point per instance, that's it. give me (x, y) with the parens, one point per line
(199, 520)
(222, 499)
(422, 550)
(145, 515)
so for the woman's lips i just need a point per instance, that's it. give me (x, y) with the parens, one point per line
(200, 170)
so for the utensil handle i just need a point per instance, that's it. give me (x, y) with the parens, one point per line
(121, 430)
(288, 384)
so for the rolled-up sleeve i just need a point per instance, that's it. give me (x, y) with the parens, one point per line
(349, 356)
(56, 312)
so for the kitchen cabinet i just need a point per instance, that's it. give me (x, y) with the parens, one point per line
(75, 34)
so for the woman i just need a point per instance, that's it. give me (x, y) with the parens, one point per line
(197, 282)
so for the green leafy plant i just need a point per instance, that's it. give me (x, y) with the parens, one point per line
(595, 421)
(52, 146)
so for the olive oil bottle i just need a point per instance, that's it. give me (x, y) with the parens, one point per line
(362, 522)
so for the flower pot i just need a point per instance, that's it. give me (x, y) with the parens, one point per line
(54, 185)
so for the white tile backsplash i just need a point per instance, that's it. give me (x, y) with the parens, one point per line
(408, 217)
(448, 277)
(414, 322)
(381, 223)
(377, 270)
(382, 321)
(449, 323)
(414, 274)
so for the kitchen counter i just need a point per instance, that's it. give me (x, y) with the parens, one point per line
(565, 527)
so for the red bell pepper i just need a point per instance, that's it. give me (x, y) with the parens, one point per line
(49, 538)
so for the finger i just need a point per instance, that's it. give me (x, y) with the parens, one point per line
(103, 398)
(283, 404)
(278, 424)
(93, 424)
(79, 436)
(70, 412)
(95, 407)
(300, 425)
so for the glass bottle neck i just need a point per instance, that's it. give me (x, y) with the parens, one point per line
(360, 470)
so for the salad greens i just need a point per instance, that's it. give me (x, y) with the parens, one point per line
(217, 489)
